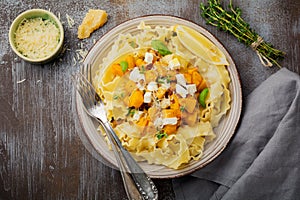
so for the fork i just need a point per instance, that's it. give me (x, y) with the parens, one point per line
(136, 182)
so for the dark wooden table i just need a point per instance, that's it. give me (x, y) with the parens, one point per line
(41, 153)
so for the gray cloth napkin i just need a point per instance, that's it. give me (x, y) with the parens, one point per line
(262, 161)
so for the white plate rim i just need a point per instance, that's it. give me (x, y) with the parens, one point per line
(236, 96)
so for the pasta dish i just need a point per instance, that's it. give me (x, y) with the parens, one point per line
(163, 99)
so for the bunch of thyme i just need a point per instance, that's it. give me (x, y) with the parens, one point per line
(232, 22)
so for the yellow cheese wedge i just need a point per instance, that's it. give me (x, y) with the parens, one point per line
(93, 20)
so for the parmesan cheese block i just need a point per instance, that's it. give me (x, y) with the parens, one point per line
(93, 20)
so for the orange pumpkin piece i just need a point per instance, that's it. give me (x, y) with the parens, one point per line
(202, 85)
(175, 106)
(131, 62)
(191, 70)
(169, 113)
(169, 129)
(136, 99)
(143, 121)
(160, 93)
(117, 69)
(196, 78)
(139, 62)
(188, 78)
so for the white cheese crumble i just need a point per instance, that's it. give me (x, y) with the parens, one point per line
(180, 79)
(147, 97)
(137, 115)
(191, 89)
(136, 76)
(158, 122)
(170, 121)
(174, 64)
(181, 91)
(148, 57)
(152, 86)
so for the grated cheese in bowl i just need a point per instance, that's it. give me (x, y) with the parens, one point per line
(36, 36)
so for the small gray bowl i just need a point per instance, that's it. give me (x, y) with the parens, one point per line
(34, 13)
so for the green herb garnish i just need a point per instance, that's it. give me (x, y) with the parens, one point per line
(203, 96)
(133, 44)
(130, 112)
(182, 108)
(160, 47)
(232, 22)
(124, 66)
(116, 97)
(143, 70)
(161, 134)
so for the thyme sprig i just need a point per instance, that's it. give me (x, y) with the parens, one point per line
(232, 22)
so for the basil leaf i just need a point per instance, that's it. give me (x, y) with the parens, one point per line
(124, 66)
(203, 96)
(160, 47)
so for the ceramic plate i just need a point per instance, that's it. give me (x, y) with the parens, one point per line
(224, 131)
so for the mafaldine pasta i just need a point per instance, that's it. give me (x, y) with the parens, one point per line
(162, 100)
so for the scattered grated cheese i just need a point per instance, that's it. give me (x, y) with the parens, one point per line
(74, 61)
(21, 81)
(70, 21)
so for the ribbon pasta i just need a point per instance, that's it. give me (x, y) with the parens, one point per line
(188, 141)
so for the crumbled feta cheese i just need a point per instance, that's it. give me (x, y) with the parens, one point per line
(191, 89)
(136, 76)
(140, 85)
(158, 122)
(148, 57)
(181, 91)
(152, 86)
(174, 64)
(147, 97)
(171, 121)
(165, 103)
(137, 115)
(180, 79)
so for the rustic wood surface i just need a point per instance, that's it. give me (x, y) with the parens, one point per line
(42, 155)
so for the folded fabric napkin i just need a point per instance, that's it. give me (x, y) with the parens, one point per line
(262, 161)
